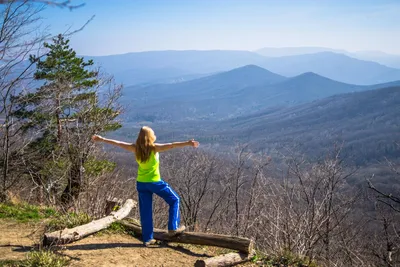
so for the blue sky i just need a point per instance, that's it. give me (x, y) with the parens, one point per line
(122, 26)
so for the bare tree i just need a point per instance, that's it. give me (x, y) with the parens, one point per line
(196, 177)
(391, 199)
(18, 39)
(385, 247)
(307, 212)
(238, 177)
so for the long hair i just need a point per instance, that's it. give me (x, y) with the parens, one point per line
(145, 144)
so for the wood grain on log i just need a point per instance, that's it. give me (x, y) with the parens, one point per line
(241, 244)
(70, 235)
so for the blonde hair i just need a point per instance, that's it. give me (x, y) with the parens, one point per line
(145, 143)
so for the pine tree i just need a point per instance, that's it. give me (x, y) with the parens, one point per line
(65, 112)
(67, 76)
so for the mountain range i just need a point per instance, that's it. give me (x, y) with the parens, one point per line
(223, 97)
(364, 124)
(230, 94)
(386, 59)
(295, 51)
(334, 66)
(173, 66)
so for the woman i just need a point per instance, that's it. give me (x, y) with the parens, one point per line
(149, 180)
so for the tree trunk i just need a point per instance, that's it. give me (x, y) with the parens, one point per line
(6, 154)
(70, 235)
(74, 186)
(3, 196)
(241, 244)
(58, 112)
(229, 259)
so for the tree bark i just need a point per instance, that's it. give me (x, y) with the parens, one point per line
(70, 235)
(6, 154)
(58, 107)
(229, 259)
(241, 244)
(74, 185)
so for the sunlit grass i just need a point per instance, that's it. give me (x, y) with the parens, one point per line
(25, 212)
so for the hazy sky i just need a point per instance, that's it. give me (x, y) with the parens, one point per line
(122, 26)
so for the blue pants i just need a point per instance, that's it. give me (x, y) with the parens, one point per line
(163, 190)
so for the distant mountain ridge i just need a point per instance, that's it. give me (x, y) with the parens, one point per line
(310, 86)
(295, 51)
(230, 94)
(389, 60)
(380, 57)
(335, 66)
(144, 76)
(197, 61)
(223, 83)
(158, 66)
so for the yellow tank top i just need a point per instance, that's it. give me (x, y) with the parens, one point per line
(149, 171)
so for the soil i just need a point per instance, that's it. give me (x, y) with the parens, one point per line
(101, 249)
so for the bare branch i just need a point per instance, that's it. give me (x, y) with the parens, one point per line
(60, 4)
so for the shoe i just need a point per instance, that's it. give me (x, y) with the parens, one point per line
(178, 231)
(150, 242)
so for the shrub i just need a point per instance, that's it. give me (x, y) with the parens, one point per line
(44, 258)
(287, 258)
(40, 258)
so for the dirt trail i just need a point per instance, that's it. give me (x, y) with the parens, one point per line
(17, 239)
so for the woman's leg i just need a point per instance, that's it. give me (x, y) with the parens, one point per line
(146, 210)
(164, 190)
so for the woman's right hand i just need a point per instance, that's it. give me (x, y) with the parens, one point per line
(193, 143)
(97, 138)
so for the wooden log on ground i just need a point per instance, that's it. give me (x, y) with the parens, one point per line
(241, 244)
(229, 259)
(70, 235)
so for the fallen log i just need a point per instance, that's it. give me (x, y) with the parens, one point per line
(241, 244)
(229, 259)
(70, 235)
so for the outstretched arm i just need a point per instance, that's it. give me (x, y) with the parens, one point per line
(168, 146)
(128, 146)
